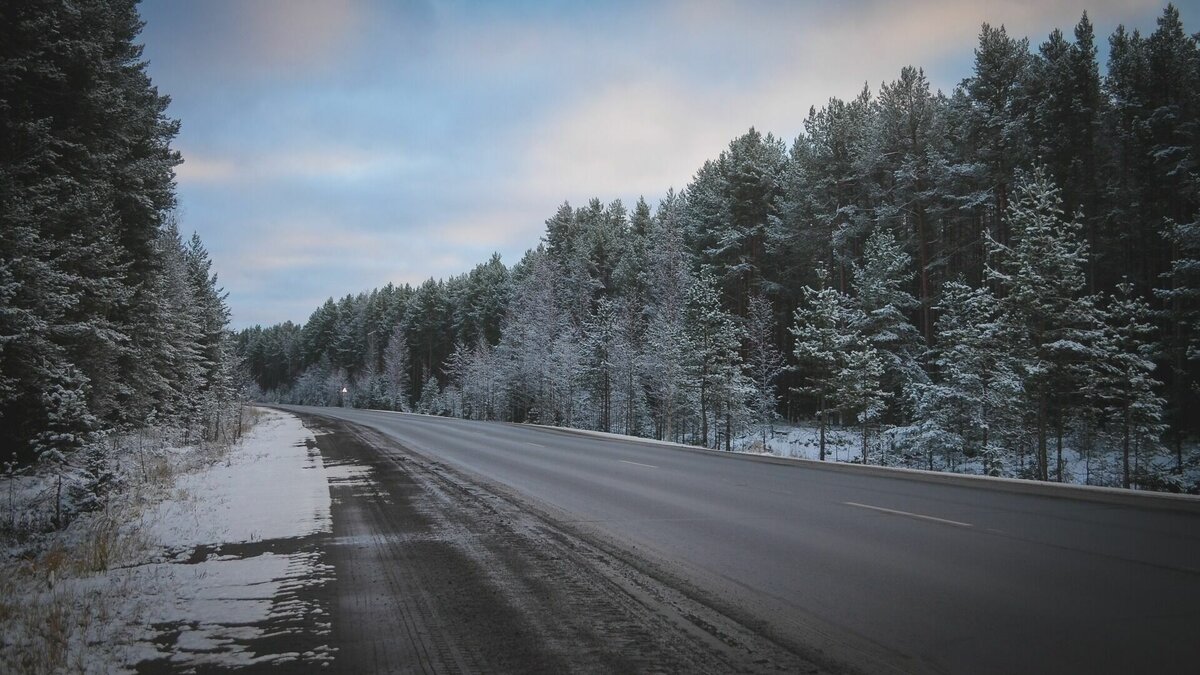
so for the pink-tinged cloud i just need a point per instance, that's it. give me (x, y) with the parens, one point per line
(334, 164)
(300, 33)
(645, 133)
(505, 226)
(197, 169)
(225, 41)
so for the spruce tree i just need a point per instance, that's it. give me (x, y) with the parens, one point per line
(1126, 386)
(824, 329)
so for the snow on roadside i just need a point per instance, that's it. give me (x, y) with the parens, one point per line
(845, 445)
(271, 487)
(220, 563)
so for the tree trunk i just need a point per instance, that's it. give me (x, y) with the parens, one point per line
(822, 415)
(1125, 446)
(1043, 460)
(58, 501)
(1058, 438)
(923, 252)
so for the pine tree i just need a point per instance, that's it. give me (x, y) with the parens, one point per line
(824, 329)
(431, 402)
(715, 363)
(601, 345)
(1126, 386)
(764, 364)
(1042, 277)
(1064, 120)
(910, 153)
(972, 406)
(396, 368)
(732, 202)
(859, 388)
(880, 283)
(664, 359)
(1182, 297)
(999, 113)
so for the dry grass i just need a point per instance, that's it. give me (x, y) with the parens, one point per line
(48, 607)
(108, 545)
(51, 607)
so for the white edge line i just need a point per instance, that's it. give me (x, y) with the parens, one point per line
(910, 515)
(648, 466)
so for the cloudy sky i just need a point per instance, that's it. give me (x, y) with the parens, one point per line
(332, 147)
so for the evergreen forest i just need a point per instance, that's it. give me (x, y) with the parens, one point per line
(111, 321)
(996, 277)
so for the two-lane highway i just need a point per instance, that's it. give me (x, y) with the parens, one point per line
(883, 572)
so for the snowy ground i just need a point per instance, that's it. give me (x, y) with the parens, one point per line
(206, 572)
(842, 445)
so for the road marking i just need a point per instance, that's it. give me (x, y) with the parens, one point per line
(910, 515)
(648, 466)
(537, 445)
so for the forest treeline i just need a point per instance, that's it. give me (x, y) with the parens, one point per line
(989, 276)
(110, 321)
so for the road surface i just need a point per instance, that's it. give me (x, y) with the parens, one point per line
(869, 572)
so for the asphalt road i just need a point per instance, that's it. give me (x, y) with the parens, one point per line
(877, 572)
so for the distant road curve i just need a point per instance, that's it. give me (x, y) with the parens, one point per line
(882, 572)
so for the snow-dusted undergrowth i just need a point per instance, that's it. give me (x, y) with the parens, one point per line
(845, 445)
(147, 578)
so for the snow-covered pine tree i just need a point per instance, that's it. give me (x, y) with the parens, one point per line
(880, 283)
(476, 377)
(859, 388)
(539, 346)
(997, 115)
(1181, 293)
(716, 364)
(396, 368)
(824, 329)
(632, 285)
(764, 363)
(216, 394)
(431, 401)
(97, 298)
(735, 200)
(1064, 118)
(1042, 279)
(972, 407)
(163, 362)
(427, 319)
(479, 309)
(664, 360)
(1126, 385)
(601, 345)
(910, 151)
